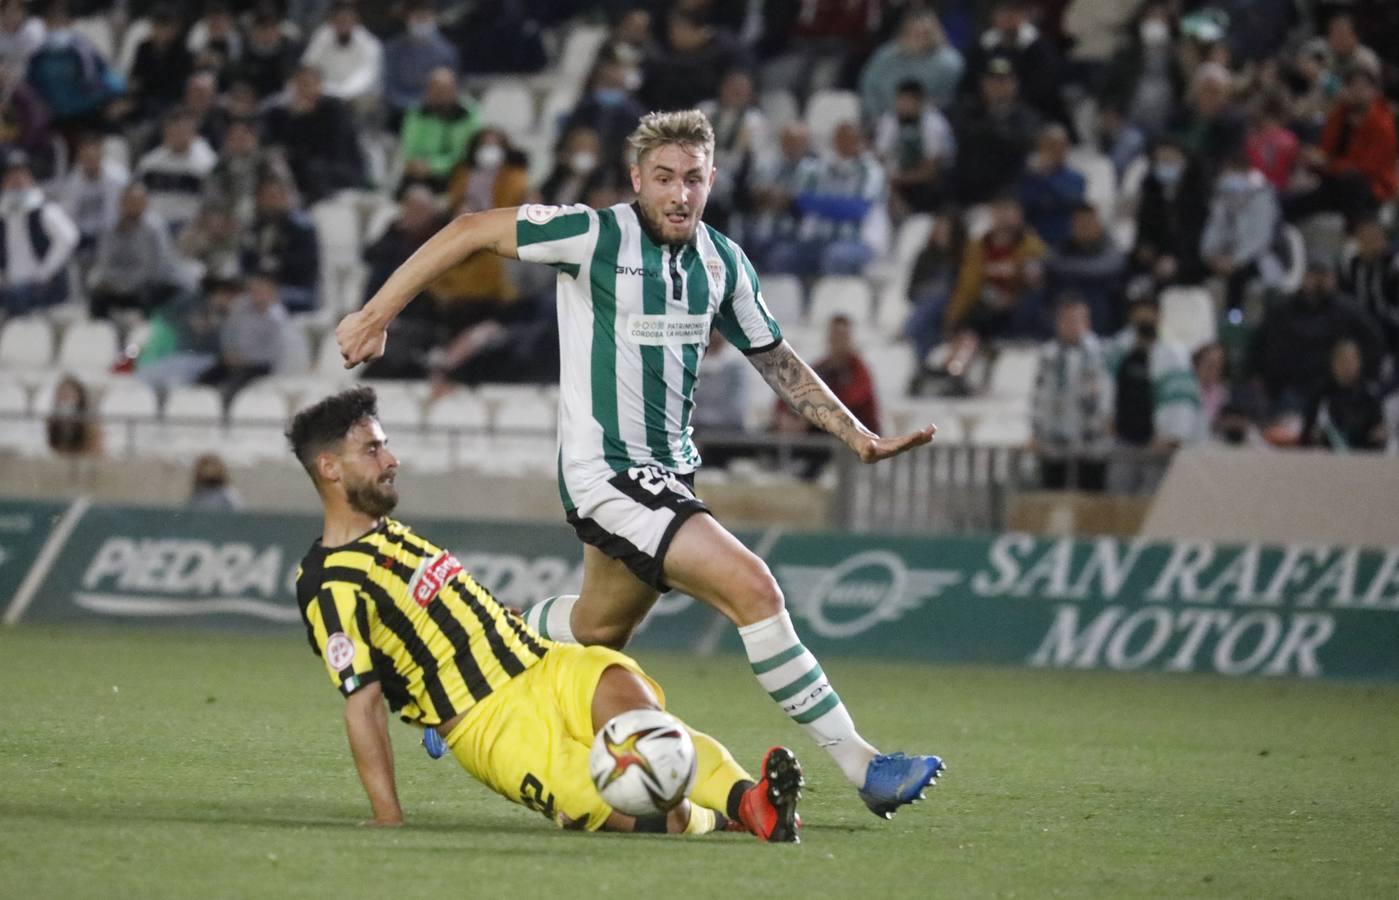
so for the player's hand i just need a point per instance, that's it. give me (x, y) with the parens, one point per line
(873, 448)
(361, 338)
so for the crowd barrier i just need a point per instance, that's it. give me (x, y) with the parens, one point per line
(1175, 606)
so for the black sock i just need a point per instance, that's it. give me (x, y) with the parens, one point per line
(735, 795)
(651, 824)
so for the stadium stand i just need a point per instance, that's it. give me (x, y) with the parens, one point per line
(983, 398)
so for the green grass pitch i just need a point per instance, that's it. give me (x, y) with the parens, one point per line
(181, 765)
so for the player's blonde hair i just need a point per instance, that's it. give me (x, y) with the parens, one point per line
(689, 128)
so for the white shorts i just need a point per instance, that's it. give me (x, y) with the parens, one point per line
(633, 516)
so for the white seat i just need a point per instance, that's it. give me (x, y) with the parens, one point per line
(136, 32)
(26, 343)
(780, 107)
(783, 296)
(1129, 189)
(1291, 280)
(1097, 170)
(580, 48)
(89, 347)
(891, 366)
(400, 404)
(193, 402)
(260, 403)
(116, 149)
(192, 424)
(841, 295)
(808, 340)
(523, 440)
(1013, 375)
(1003, 430)
(296, 350)
(509, 106)
(129, 398)
(825, 110)
(557, 106)
(460, 420)
(98, 30)
(257, 416)
(1187, 316)
(14, 399)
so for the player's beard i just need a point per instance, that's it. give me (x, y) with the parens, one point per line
(373, 497)
(657, 223)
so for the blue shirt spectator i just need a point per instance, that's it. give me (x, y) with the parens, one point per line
(1090, 265)
(920, 53)
(1049, 190)
(411, 57)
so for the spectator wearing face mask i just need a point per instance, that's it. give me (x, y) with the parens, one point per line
(1146, 79)
(413, 57)
(73, 78)
(38, 241)
(609, 108)
(435, 133)
(349, 58)
(1346, 414)
(1157, 400)
(493, 174)
(1171, 219)
(578, 173)
(1243, 240)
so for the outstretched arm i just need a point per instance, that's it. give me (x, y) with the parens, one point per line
(367, 725)
(804, 391)
(362, 334)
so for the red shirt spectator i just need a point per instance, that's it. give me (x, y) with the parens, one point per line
(848, 376)
(1271, 146)
(1359, 137)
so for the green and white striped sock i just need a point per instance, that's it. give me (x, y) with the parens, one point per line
(552, 618)
(794, 680)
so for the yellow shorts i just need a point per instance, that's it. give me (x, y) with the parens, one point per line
(529, 741)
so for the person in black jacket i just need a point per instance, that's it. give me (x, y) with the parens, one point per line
(282, 245)
(995, 133)
(1171, 218)
(1290, 356)
(1347, 413)
(317, 134)
(162, 66)
(268, 57)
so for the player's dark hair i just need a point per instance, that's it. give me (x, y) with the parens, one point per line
(320, 426)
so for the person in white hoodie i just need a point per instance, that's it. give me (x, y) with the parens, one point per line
(349, 57)
(1243, 240)
(38, 241)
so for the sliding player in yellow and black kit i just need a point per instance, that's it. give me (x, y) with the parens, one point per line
(396, 618)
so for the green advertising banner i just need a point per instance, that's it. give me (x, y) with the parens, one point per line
(24, 527)
(1306, 611)
(1105, 603)
(154, 566)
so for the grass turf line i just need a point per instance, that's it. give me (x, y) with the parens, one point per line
(174, 764)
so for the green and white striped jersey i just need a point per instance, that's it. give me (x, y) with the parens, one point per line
(634, 320)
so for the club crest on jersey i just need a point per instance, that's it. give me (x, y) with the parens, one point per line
(541, 214)
(430, 575)
(716, 270)
(339, 651)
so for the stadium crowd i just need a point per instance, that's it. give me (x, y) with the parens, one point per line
(1188, 207)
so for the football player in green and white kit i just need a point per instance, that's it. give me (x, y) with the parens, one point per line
(639, 287)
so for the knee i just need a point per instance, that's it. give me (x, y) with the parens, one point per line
(612, 635)
(759, 597)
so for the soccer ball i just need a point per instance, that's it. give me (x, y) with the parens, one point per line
(643, 762)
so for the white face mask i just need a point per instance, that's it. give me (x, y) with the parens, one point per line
(1155, 32)
(583, 162)
(488, 156)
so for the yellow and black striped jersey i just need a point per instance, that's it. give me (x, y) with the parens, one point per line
(395, 608)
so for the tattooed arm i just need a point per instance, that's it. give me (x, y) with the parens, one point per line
(804, 391)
